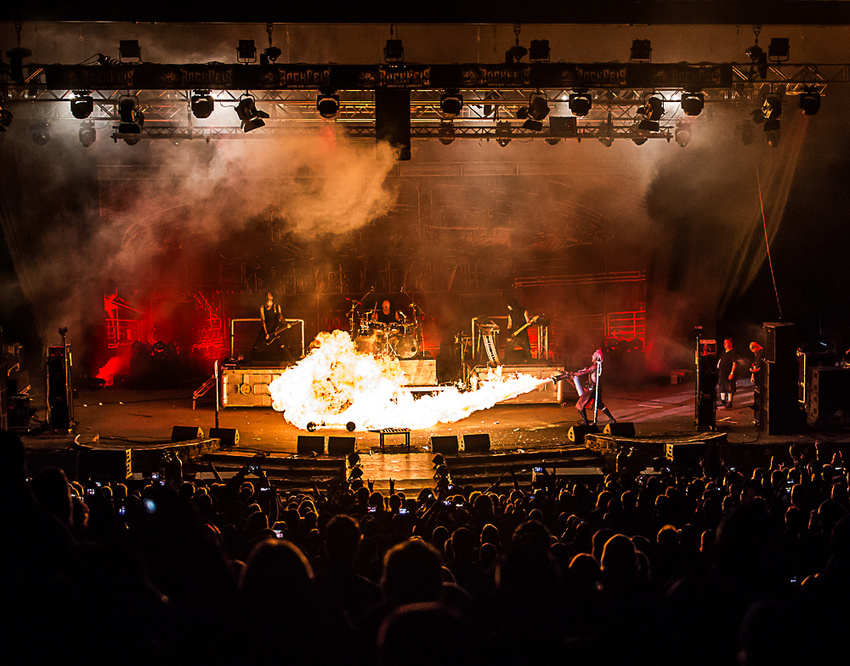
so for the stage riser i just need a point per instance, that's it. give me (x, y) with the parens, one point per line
(543, 395)
(249, 387)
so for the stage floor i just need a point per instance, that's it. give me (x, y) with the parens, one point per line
(123, 418)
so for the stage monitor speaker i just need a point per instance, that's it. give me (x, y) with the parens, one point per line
(392, 119)
(184, 433)
(445, 444)
(626, 429)
(780, 342)
(308, 444)
(479, 442)
(229, 436)
(576, 433)
(340, 446)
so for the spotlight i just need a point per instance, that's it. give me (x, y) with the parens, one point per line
(503, 133)
(692, 102)
(759, 58)
(271, 54)
(202, 104)
(246, 51)
(539, 51)
(778, 50)
(327, 104)
(653, 108)
(538, 106)
(488, 109)
(606, 141)
(82, 104)
(131, 118)
(683, 134)
(515, 54)
(40, 133)
(394, 51)
(641, 50)
(249, 114)
(87, 133)
(639, 141)
(772, 108)
(810, 101)
(580, 103)
(451, 104)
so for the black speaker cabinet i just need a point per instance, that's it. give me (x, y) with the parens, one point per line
(780, 342)
(184, 433)
(229, 436)
(625, 429)
(60, 396)
(479, 442)
(576, 433)
(445, 444)
(340, 446)
(782, 413)
(308, 444)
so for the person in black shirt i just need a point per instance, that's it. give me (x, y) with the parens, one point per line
(726, 366)
(387, 314)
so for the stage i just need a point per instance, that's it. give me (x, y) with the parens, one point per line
(130, 429)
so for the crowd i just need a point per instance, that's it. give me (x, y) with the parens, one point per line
(666, 568)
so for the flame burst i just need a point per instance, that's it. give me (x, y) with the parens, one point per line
(335, 384)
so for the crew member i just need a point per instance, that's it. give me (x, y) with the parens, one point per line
(758, 375)
(588, 396)
(726, 365)
(518, 349)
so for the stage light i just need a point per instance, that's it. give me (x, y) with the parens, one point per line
(131, 118)
(129, 49)
(692, 102)
(202, 104)
(759, 58)
(641, 50)
(810, 101)
(271, 54)
(487, 109)
(515, 54)
(772, 132)
(40, 133)
(535, 112)
(394, 51)
(639, 141)
(87, 133)
(778, 50)
(447, 133)
(246, 51)
(250, 116)
(82, 104)
(539, 51)
(503, 133)
(451, 103)
(653, 108)
(683, 134)
(327, 104)
(772, 108)
(580, 102)
(606, 141)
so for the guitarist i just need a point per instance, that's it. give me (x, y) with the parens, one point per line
(518, 349)
(271, 347)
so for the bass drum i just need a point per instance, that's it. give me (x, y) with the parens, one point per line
(405, 346)
(367, 344)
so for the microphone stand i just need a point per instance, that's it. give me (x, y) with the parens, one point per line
(354, 306)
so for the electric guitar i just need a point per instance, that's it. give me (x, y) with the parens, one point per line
(275, 334)
(522, 328)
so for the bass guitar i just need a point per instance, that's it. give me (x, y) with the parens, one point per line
(513, 335)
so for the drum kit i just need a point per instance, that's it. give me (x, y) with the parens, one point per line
(401, 339)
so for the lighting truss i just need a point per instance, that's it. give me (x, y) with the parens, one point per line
(167, 112)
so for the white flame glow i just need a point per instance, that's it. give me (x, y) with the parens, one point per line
(335, 384)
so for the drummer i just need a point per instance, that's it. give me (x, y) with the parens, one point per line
(387, 314)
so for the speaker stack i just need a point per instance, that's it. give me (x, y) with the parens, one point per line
(780, 413)
(445, 444)
(310, 444)
(477, 443)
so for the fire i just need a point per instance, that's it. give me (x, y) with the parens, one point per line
(335, 385)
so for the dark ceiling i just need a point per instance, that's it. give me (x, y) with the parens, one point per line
(648, 12)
